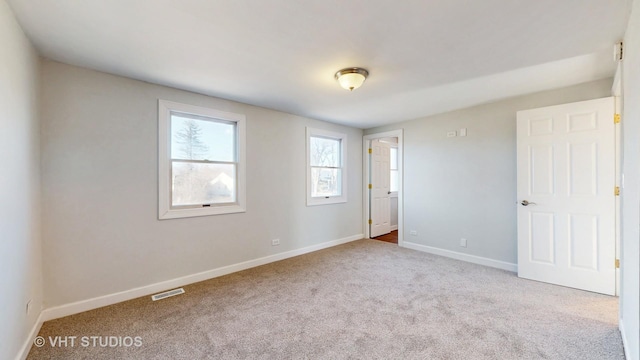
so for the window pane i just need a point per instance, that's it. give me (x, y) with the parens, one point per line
(393, 185)
(198, 184)
(394, 158)
(324, 152)
(326, 182)
(193, 138)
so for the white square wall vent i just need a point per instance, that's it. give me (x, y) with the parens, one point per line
(167, 294)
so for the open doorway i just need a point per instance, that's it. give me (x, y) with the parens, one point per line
(383, 173)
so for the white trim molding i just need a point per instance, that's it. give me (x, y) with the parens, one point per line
(625, 341)
(100, 301)
(463, 257)
(26, 347)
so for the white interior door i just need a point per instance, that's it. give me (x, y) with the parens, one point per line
(380, 191)
(566, 174)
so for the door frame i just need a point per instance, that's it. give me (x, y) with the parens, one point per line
(366, 166)
(616, 92)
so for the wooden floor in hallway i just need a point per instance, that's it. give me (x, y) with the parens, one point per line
(391, 237)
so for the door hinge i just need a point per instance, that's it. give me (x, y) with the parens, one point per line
(616, 118)
(370, 222)
(370, 186)
(618, 50)
(616, 191)
(617, 263)
(370, 151)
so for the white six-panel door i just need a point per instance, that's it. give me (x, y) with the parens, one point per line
(566, 172)
(380, 191)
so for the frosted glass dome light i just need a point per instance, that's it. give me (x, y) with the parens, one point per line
(351, 78)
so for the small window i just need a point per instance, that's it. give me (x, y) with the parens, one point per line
(201, 161)
(326, 167)
(393, 184)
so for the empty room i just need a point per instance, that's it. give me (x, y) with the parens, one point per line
(217, 179)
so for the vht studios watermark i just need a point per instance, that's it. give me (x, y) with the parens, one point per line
(89, 341)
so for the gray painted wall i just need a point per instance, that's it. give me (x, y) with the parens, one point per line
(465, 187)
(20, 245)
(99, 171)
(630, 251)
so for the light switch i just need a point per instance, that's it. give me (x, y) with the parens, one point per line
(463, 132)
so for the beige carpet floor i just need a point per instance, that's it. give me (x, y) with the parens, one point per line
(362, 300)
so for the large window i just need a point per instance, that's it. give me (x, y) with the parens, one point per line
(326, 167)
(201, 161)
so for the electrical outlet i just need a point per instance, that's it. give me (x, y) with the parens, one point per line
(413, 233)
(275, 242)
(463, 242)
(451, 134)
(28, 307)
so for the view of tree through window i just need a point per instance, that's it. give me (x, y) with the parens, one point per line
(326, 169)
(189, 140)
(203, 161)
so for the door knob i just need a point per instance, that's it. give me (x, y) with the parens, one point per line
(527, 203)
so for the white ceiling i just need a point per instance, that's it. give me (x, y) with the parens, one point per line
(424, 57)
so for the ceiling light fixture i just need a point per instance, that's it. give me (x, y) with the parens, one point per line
(351, 78)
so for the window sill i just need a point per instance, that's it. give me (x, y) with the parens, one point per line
(204, 211)
(325, 201)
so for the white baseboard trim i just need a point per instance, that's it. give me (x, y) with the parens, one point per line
(97, 302)
(394, 227)
(625, 343)
(26, 347)
(461, 256)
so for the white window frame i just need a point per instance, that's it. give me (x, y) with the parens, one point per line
(165, 211)
(342, 198)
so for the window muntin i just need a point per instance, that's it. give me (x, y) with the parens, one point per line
(326, 170)
(201, 169)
